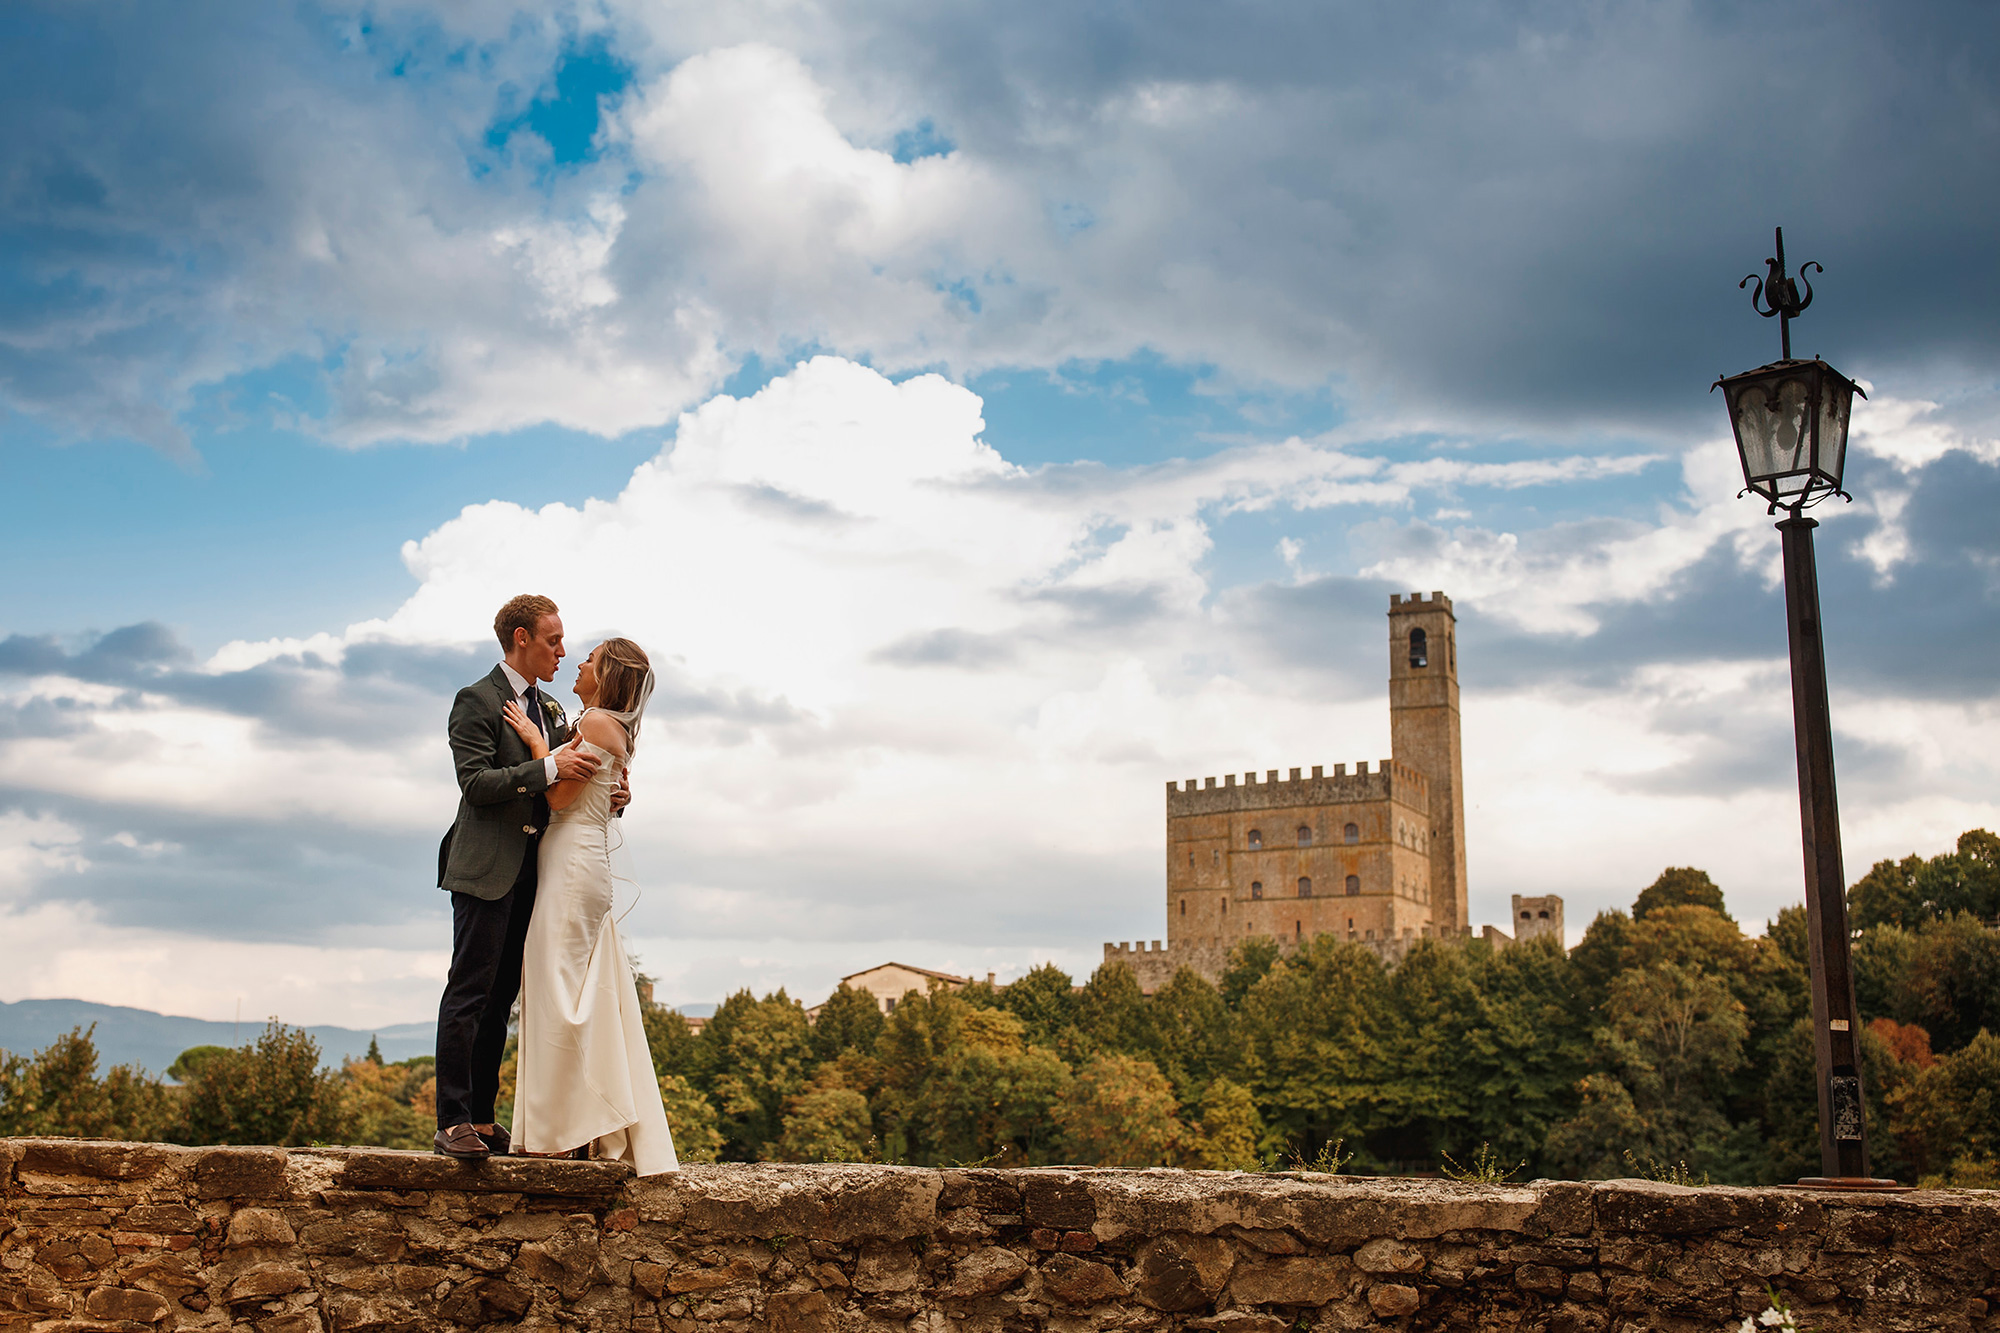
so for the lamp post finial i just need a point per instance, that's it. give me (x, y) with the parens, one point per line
(1780, 293)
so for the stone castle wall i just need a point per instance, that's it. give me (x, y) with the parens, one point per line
(137, 1237)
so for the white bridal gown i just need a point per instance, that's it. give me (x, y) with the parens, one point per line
(583, 1073)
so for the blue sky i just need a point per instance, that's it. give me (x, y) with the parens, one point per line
(988, 413)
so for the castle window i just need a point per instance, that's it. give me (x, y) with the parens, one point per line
(1305, 887)
(1256, 839)
(1225, 907)
(1305, 836)
(1298, 930)
(1353, 885)
(1190, 860)
(1183, 907)
(1526, 916)
(1543, 915)
(1256, 888)
(1214, 856)
(1353, 833)
(1419, 652)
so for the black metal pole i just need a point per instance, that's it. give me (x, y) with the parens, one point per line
(1843, 1145)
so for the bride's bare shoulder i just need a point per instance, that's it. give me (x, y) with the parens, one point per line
(605, 732)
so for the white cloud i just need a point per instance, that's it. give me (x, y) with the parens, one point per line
(913, 694)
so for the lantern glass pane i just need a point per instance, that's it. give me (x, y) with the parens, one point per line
(1773, 428)
(1836, 401)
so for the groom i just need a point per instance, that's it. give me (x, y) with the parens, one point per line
(488, 862)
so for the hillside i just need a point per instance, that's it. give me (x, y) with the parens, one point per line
(142, 1037)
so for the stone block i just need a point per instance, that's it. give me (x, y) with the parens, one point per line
(690, 1280)
(1240, 1321)
(985, 1272)
(1539, 1279)
(301, 1321)
(1388, 1256)
(381, 1169)
(1566, 1208)
(1392, 1300)
(1178, 1273)
(651, 1279)
(261, 1282)
(1075, 1281)
(886, 1267)
(259, 1227)
(837, 1203)
(129, 1303)
(240, 1173)
(167, 1218)
(799, 1312)
(1057, 1201)
(1300, 1280)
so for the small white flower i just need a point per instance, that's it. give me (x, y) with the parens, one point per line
(1748, 1325)
(1774, 1318)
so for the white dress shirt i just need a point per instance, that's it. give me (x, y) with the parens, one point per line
(521, 685)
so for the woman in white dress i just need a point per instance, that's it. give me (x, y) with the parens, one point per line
(583, 1077)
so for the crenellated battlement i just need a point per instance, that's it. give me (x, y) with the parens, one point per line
(1437, 601)
(1388, 780)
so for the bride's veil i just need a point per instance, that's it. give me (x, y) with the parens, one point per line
(630, 717)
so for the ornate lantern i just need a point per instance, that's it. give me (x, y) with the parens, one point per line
(1790, 419)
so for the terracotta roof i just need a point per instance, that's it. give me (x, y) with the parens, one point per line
(924, 971)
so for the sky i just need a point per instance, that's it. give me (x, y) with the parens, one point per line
(984, 414)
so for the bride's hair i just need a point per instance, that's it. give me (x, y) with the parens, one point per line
(624, 680)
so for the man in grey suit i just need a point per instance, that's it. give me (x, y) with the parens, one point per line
(488, 862)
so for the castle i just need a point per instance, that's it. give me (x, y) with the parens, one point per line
(1377, 857)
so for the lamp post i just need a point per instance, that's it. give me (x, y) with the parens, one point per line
(1790, 420)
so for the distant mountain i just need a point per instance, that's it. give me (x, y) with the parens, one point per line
(153, 1041)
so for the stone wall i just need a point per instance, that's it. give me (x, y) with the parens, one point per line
(104, 1236)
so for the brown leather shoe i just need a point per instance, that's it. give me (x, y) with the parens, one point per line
(498, 1142)
(462, 1142)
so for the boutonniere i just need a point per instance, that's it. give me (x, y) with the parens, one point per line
(555, 712)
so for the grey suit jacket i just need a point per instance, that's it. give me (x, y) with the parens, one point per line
(501, 792)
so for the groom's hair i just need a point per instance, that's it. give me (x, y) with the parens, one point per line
(621, 672)
(523, 612)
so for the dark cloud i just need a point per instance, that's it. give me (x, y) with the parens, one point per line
(1511, 217)
(961, 648)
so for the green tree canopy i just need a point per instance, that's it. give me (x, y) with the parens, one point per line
(56, 1092)
(271, 1093)
(850, 1020)
(1680, 886)
(756, 1055)
(1119, 1112)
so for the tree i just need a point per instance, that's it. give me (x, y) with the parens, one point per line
(1315, 1036)
(690, 1119)
(828, 1122)
(758, 1054)
(1248, 962)
(1519, 1053)
(56, 1092)
(849, 1020)
(376, 1105)
(1913, 890)
(1045, 1001)
(1950, 1113)
(1111, 1015)
(1226, 1137)
(1680, 886)
(1119, 1112)
(1600, 956)
(271, 1093)
(1190, 1029)
(374, 1056)
(671, 1042)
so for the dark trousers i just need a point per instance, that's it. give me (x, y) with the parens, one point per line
(486, 942)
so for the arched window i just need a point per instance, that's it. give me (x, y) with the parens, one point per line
(1543, 915)
(1256, 839)
(1298, 930)
(1305, 887)
(1256, 888)
(1527, 916)
(1353, 885)
(1225, 907)
(1305, 836)
(1183, 907)
(1352, 833)
(1214, 856)
(1190, 860)
(1402, 832)
(1419, 650)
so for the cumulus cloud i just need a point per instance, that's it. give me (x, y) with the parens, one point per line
(913, 694)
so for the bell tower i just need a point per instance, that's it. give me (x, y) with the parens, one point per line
(1423, 733)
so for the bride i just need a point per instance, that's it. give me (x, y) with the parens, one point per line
(584, 1081)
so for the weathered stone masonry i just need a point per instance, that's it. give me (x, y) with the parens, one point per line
(109, 1236)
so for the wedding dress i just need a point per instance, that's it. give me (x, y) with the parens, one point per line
(583, 1073)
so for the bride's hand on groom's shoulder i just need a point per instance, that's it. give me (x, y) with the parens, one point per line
(517, 718)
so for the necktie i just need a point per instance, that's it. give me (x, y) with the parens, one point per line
(532, 700)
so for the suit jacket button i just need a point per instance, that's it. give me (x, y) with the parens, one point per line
(527, 828)
(521, 789)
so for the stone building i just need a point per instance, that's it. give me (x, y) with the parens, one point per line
(1376, 855)
(890, 982)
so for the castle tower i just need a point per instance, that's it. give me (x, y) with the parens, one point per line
(1423, 733)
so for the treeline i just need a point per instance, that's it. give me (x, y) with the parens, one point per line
(1667, 1043)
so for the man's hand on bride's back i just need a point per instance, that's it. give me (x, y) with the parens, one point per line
(575, 765)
